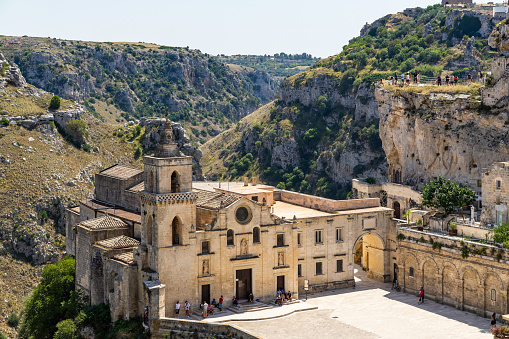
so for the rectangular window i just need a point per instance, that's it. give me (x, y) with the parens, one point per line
(411, 272)
(339, 266)
(479, 183)
(319, 268)
(280, 240)
(254, 199)
(299, 270)
(299, 239)
(339, 234)
(205, 247)
(318, 237)
(493, 295)
(499, 184)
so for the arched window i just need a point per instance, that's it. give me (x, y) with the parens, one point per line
(229, 238)
(256, 235)
(175, 231)
(151, 182)
(149, 230)
(175, 182)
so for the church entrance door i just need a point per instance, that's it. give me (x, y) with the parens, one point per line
(243, 288)
(280, 282)
(205, 293)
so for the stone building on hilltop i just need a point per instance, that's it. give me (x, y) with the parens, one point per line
(153, 237)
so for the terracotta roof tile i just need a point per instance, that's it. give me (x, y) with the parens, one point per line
(127, 257)
(104, 222)
(121, 172)
(121, 241)
(221, 200)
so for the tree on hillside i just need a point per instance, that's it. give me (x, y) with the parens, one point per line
(52, 301)
(446, 194)
(55, 102)
(76, 130)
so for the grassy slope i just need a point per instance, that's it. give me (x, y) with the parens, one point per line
(23, 182)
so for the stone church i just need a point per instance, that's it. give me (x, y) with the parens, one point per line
(152, 237)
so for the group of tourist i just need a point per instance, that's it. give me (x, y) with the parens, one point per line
(187, 308)
(409, 77)
(282, 297)
(207, 309)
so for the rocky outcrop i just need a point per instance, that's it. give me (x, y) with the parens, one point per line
(487, 21)
(429, 135)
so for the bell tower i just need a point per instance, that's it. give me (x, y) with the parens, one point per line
(168, 205)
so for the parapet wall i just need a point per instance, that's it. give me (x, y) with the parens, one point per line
(196, 329)
(326, 205)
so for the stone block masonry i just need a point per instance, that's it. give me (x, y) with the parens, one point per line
(186, 328)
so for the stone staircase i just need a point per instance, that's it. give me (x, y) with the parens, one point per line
(197, 314)
(246, 306)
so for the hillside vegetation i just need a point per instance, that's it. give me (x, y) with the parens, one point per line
(278, 66)
(322, 130)
(122, 81)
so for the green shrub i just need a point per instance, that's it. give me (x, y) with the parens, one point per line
(66, 329)
(86, 147)
(52, 301)
(55, 102)
(4, 122)
(76, 130)
(13, 320)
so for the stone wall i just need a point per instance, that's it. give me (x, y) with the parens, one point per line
(191, 328)
(477, 284)
(324, 204)
(495, 197)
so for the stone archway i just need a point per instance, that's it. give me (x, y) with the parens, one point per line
(374, 258)
(397, 210)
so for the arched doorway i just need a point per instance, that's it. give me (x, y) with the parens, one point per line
(175, 231)
(372, 253)
(397, 210)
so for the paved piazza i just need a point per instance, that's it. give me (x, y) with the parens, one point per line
(371, 310)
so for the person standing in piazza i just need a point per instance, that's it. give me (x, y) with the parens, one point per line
(177, 309)
(187, 307)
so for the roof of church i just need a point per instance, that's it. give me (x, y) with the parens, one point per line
(138, 187)
(127, 257)
(121, 241)
(214, 200)
(121, 172)
(104, 222)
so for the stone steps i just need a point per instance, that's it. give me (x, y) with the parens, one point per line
(249, 307)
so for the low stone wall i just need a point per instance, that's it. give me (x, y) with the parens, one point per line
(324, 204)
(316, 288)
(176, 329)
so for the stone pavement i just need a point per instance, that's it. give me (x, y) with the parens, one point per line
(272, 313)
(371, 310)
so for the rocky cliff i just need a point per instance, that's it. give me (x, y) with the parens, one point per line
(136, 80)
(425, 135)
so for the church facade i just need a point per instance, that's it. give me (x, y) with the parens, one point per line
(152, 237)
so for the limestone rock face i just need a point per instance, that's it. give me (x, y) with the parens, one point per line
(12, 73)
(428, 135)
(499, 38)
(487, 21)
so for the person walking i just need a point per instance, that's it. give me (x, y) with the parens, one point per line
(177, 309)
(447, 80)
(396, 78)
(439, 80)
(493, 320)
(187, 307)
(421, 296)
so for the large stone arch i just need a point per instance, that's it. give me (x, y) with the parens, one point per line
(375, 258)
(472, 296)
(496, 276)
(451, 287)
(493, 284)
(412, 276)
(453, 267)
(426, 259)
(465, 269)
(430, 278)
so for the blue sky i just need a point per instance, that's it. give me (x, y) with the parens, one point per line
(319, 27)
